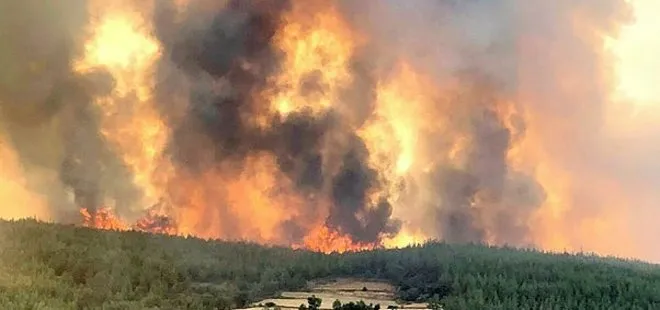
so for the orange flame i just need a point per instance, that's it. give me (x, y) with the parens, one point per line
(325, 240)
(103, 218)
(106, 219)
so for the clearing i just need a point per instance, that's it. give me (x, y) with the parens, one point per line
(346, 290)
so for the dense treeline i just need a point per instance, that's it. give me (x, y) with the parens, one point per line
(61, 267)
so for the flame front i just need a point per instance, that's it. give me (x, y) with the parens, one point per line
(103, 218)
(325, 240)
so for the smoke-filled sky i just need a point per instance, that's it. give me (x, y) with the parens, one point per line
(337, 125)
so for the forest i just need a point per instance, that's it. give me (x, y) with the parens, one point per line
(49, 266)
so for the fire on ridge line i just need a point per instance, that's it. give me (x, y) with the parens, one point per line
(445, 159)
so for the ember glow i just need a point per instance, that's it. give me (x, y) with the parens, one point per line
(338, 125)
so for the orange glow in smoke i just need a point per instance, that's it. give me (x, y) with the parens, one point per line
(405, 238)
(317, 46)
(394, 135)
(14, 192)
(156, 222)
(120, 42)
(587, 208)
(258, 195)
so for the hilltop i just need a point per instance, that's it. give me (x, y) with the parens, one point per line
(49, 266)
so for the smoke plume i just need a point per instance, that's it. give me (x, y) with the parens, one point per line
(331, 125)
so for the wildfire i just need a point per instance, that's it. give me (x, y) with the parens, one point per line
(258, 199)
(157, 221)
(325, 240)
(103, 218)
(454, 153)
(106, 218)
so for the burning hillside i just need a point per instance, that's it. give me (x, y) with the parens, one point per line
(330, 125)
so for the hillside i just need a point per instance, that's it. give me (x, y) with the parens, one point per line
(47, 266)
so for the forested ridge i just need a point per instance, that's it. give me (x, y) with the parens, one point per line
(48, 266)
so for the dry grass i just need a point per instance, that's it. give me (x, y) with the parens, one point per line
(344, 290)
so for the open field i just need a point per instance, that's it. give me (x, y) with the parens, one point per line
(344, 290)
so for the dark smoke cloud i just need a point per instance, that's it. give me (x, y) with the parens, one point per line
(349, 193)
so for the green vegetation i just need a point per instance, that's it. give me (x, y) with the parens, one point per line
(360, 305)
(46, 266)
